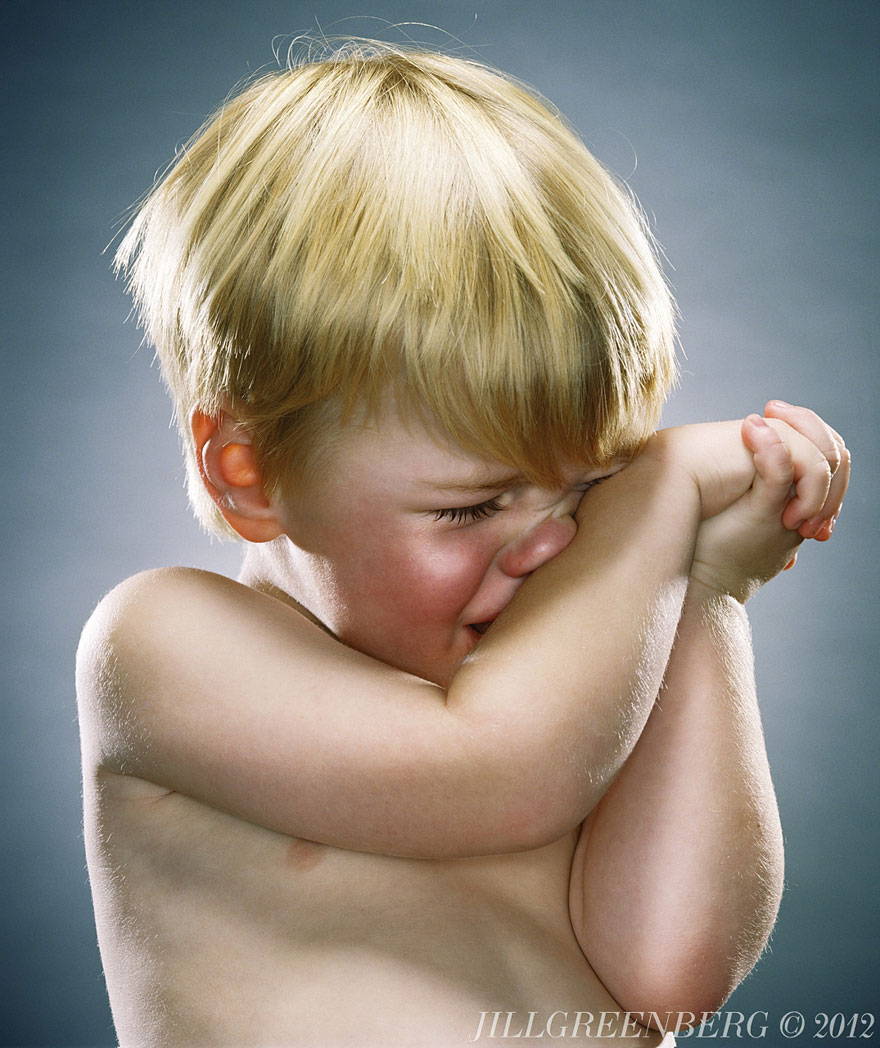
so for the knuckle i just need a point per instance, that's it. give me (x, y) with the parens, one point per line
(833, 446)
(832, 459)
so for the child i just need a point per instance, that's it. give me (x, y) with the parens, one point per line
(409, 324)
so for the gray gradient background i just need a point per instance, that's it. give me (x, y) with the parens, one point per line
(754, 126)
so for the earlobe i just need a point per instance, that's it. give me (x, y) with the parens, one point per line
(231, 475)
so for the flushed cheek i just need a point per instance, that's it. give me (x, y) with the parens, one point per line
(432, 584)
(411, 616)
(437, 593)
(453, 575)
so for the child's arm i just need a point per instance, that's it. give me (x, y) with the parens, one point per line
(678, 874)
(200, 685)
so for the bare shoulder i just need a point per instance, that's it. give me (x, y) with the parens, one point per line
(167, 625)
(157, 612)
(156, 590)
(143, 617)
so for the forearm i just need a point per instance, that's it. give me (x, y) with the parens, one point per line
(679, 874)
(573, 666)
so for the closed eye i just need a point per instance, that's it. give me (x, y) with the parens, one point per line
(585, 485)
(467, 514)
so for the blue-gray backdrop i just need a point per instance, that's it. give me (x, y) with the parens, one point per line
(749, 132)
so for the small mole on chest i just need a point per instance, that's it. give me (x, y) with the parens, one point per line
(303, 855)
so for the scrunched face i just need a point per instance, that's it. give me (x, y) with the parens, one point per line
(407, 548)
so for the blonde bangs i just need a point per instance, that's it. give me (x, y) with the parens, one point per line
(403, 223)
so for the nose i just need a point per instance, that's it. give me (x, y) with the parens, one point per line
(535, 547)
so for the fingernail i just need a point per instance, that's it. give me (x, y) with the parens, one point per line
(780, 403)
(826, 531)
(756, 420)
(810, 528)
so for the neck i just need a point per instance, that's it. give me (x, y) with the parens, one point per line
(273, 568)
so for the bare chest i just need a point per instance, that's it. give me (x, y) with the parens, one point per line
(215, 931)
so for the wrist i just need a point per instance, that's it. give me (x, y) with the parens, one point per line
(653, 484)
(668, 453)
(715, 458)
(704, 591)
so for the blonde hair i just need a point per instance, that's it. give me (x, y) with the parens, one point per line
(405, 222)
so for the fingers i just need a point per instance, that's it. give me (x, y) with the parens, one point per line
(810, 425)
(774, 471)
(812, 477)
(819, 524)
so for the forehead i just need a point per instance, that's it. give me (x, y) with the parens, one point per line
(390, 448)
(387, 444)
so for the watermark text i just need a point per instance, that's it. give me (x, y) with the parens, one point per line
(724, 1025)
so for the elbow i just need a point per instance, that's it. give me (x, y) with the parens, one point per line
(539, 810)
(535, 822)
(690, 970)
(683, 984)
(676, 1000)
(527, 789)
(676, 1013)
(553, 797)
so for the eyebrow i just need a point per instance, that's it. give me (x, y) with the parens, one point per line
(476, 483)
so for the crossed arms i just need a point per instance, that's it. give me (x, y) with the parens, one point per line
(203, 686)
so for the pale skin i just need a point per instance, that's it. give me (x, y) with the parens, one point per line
(322, 808)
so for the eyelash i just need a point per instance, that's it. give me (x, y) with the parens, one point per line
(467, 514)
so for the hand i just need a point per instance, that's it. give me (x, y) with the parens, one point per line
(819, 526)
(715, 458)
(711, 456)
(801, 470)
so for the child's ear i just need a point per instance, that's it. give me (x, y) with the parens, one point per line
(231, 474)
